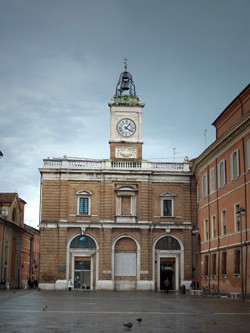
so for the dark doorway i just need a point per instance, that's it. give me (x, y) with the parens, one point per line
(167, 272)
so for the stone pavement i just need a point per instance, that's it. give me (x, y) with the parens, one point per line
(106, 311)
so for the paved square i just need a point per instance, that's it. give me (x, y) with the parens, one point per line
(106, 311)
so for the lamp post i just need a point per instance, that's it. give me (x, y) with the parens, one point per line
(195, 231)
(1, 154)
(241, 212)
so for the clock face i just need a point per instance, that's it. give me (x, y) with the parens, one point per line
(126, 127)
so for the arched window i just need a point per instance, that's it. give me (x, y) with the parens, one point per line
(82, 242)
(167, 243)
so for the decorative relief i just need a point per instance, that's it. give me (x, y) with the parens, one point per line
(126, 152)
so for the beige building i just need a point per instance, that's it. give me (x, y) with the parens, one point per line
(121, 223)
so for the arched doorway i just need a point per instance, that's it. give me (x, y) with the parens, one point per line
(169, 259)
(82, 252)
(125, 263)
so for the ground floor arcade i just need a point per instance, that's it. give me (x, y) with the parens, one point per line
(116, 259)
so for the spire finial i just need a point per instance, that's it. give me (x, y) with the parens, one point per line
(125, 64)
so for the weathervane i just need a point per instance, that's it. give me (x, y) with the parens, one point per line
(125, 64)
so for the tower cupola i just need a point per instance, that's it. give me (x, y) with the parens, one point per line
(125, 85)
(125, 93)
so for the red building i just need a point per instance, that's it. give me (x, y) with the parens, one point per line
(222, 172)
(19, 243)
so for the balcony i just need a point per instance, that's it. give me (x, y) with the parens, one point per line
(95, 164)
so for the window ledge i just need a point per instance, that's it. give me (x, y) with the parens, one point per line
(83, 215)
(125, 219)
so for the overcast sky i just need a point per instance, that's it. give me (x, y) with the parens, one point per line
(60, 61)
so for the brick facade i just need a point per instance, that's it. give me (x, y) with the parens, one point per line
(223, 177)
(131, 237)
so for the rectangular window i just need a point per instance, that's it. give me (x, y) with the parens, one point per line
(206, 228)
(213, 227)
(223, 223)
(214, 264)
(206, 265)
(235, 164)
(212, 183)
(204, 186)
(126, 205)
(84, 206)
(224, 263)
(237, 225)
(237, 262)
(248, 155)
(221, 174)
(167, 207)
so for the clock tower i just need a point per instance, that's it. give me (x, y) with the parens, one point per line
(125, 120)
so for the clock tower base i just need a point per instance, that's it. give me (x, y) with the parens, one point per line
(125, 150)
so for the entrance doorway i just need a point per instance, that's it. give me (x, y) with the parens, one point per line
(167, 269)
(82, 273)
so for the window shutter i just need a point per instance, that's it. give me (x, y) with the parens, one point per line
(224, 173)
(238, 162)
(232, 166)
(218, 176)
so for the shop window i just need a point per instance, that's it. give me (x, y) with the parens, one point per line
(213, 264)
(206, 265)
(224, 263)
(237, 262)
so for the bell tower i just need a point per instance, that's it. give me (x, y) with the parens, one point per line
(125, 120)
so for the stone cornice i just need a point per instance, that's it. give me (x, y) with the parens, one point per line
(239, 130)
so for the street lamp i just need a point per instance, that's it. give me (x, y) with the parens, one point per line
(1, 154)
(195, 230)
(241, 212)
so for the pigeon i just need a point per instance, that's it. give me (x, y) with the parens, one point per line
(45, 308)
(139, 320)
(128, 325)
